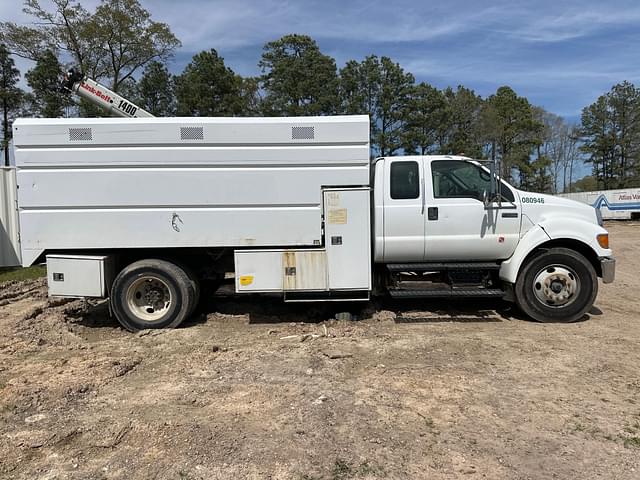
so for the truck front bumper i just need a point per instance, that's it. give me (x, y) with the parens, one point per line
(608, 266)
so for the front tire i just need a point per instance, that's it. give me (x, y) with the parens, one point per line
(152, 293)
(556, 285)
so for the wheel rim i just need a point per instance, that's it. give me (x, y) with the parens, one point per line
(556, 286)
(149, 298)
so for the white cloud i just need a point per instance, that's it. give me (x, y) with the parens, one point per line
(574, 21)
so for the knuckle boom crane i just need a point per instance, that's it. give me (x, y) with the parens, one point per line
(76, 82)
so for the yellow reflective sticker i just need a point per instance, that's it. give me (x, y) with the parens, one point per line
(246, 280)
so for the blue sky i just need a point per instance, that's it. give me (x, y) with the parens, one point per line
(559, 54)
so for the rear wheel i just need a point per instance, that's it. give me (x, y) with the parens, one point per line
(153, 294)
(557, 285)
(196, 287)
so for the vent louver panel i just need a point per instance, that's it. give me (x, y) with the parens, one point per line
(80, 134)
(303, 133)
(191, 133)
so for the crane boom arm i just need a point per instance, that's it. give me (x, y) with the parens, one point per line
(76, 82)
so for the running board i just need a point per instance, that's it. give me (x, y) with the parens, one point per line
(327, 296)
(440, 266)
(444, 293)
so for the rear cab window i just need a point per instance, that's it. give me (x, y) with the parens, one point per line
(405, 180)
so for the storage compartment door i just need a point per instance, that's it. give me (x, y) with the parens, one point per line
(305, 270)
(78, 275)
(258, 270)
(348, 238)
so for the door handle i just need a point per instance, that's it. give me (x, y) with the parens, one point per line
(432, 213)
(509, 215)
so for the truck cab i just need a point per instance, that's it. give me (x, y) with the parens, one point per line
(431, 208)
(434, 215)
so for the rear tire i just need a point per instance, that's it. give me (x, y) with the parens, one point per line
(556, 285)
(153, 293)
(196, 287)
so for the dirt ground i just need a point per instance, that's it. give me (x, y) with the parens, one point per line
(256, 389)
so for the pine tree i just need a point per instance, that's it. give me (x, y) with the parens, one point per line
(46, 99)
(208, 88)
(382, 89)
(11, 97)
(156, 90)
(297, 78)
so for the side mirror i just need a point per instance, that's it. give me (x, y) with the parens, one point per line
(485, 198)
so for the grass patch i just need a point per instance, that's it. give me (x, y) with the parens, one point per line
(632, 442)
(428, 421)
(11, 274)
(341, 470)
(366, 469)
(578, 427)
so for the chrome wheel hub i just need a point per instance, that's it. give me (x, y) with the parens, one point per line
(149, 298)
(556, 286)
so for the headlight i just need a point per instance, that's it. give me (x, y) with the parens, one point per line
(599, 217)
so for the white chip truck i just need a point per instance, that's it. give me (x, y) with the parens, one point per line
(145, 211)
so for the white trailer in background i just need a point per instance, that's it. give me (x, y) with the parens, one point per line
(145, 211)
(621, 204)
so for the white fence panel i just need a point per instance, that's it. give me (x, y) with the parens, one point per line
(9, 227)
(614, 204)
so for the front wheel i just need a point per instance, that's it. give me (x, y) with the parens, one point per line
(556, 285)
(152, 294)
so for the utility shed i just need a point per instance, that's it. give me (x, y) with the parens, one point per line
(110, 183)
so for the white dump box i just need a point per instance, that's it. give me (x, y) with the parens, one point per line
(94, 185)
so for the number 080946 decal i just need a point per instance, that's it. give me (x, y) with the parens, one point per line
(532, 200)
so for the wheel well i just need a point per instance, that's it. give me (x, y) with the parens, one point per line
(576, 245)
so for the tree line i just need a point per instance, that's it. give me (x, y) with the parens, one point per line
(121, 46)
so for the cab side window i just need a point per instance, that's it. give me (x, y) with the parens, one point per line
(405, 180)
(460, 179)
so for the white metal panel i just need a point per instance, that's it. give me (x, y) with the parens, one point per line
(189, 155)
(9, 231)
(348, 238)
(258, 270)
(202, 186)
(166, 131)
(170, 227)
(133, 183)
(305, 270)
(77, 276)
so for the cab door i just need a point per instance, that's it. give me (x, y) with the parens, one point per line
(458, 225)
(404, 212)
